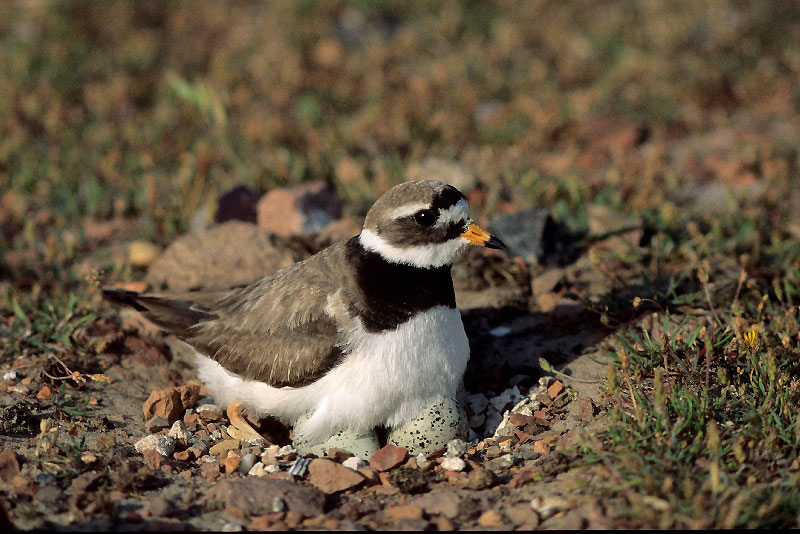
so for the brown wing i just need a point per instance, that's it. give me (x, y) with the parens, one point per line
(275, 330)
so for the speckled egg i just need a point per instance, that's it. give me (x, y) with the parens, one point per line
(439, 424)
(362, 445)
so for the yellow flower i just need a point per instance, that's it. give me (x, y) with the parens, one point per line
(751, 337)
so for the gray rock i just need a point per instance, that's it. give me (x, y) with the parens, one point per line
(163, 445)
(533, 235)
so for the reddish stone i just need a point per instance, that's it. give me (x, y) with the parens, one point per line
(44, 394)
(387, 457)
(164, 403)
(554, 389)
(154, 459)
(331, 477)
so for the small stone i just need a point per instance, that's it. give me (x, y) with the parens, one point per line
(44, 394)
(222, 448)
(554, 389)
(179, 433)
(209, 412)
(338, 455)
(453, 464)
(164, 445)
(164, 403)
(480, 479)
(369, 474)
(355, 463)
(9, 465)
(154, 459)
(189, 394)
(231, 462)
(456, 448)
(422, 461)
(330, 477)
(519, 420)
(490, 519)
(185, 456)
(286, 450)
(156, 424)
(508, 397)
(541, 447)
(387, 457)
(585, 409)
(443, 502)
(405, 511)
(210, 470)
(247, 462)
(301, 210)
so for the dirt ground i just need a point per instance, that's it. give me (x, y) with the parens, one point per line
(76, 466)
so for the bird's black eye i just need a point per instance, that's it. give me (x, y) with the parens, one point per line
(425, 217)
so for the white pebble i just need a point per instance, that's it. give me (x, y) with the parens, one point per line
(247, 462)
(453, 464)
(422, 461)
(179, 432)
(10, 375)
(256, 470)
(286, 450)
(355, 463)
(272, 468)
(510, 396)
(456, 448)
(163, 445)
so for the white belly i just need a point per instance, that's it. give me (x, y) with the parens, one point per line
(386, 378)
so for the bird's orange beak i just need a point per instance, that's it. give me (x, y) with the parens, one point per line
(480, 237)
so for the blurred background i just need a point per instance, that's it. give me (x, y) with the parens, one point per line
(151, 110)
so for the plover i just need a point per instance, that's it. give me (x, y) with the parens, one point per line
(365, 333)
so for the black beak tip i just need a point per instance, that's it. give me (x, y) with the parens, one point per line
(496, 243)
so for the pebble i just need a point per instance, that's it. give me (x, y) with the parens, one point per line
(247, 462)
(209, 412)
(179, 432)
(510, 396)
(387, 457)
(223, 447)
(453, 464)
(355, 463)
(422, 461)
(456, 448)
(286, 450)
(164, 445)
(156, 424)
(330, 477)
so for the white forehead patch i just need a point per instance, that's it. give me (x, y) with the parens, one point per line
(456, 213)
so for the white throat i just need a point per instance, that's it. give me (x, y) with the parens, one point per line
(424, 256)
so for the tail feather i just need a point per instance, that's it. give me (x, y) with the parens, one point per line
(173, 315)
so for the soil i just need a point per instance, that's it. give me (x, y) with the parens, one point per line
(75, 465)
